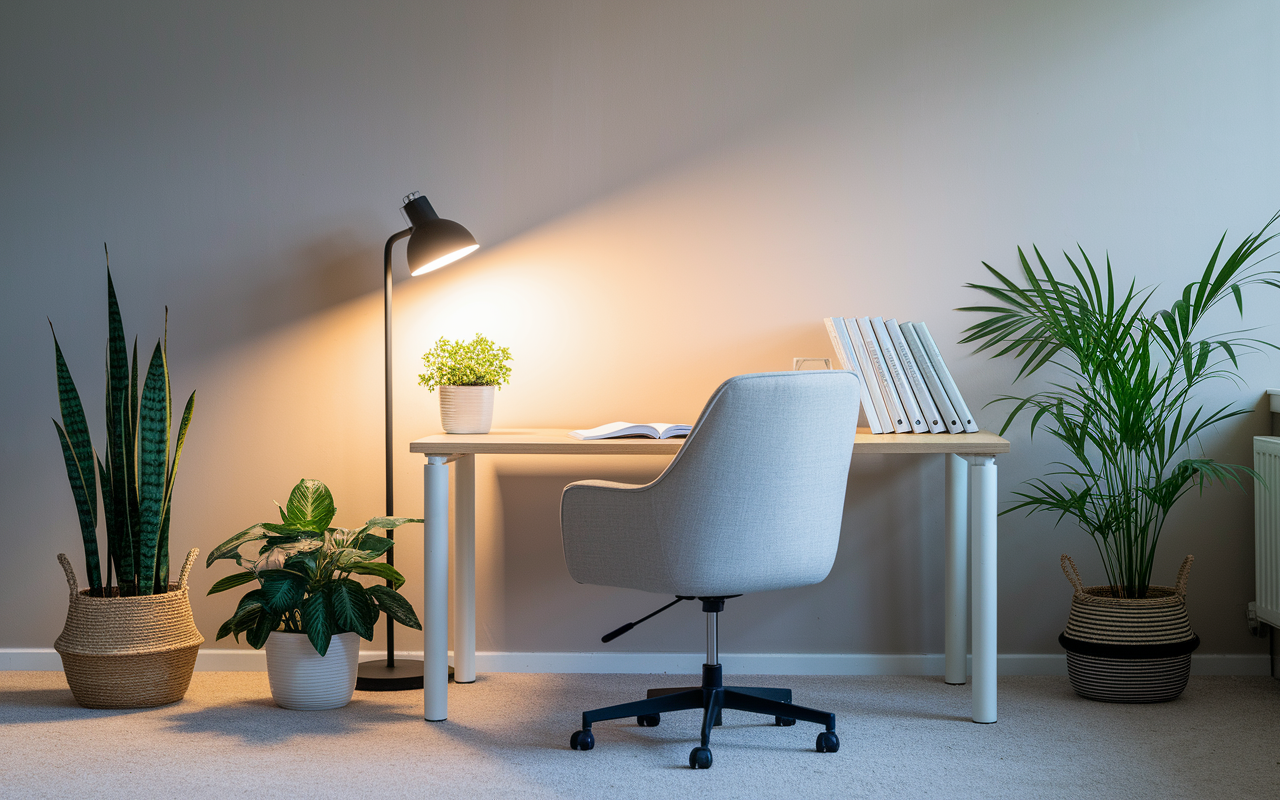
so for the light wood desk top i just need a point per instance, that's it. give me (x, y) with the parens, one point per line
(556, 441)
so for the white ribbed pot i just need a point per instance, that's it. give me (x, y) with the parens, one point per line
(466, 409)
(303, 680)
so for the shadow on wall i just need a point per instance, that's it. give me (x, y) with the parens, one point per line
(316, 276)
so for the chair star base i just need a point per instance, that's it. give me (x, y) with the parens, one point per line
(712, 696)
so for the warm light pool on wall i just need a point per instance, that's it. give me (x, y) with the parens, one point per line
(433, 243)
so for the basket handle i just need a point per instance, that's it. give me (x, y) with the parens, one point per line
(1073, 575)
(71, 574)
(186, 567)
(1183, 573)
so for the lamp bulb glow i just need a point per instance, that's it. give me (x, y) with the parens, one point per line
(445, 260)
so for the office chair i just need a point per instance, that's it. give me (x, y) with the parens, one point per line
(752, 502)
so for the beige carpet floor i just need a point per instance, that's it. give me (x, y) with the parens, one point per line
(507, 737)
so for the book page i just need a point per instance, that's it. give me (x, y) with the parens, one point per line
(615, 430)
(668, 430)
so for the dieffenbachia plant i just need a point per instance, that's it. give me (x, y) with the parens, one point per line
(303, 569)
(135, 474)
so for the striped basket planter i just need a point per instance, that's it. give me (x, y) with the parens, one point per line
(129, 652)
(1122, 650)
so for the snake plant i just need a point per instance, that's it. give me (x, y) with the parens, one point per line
(304, 568)
(1121, 399)
(136, 472)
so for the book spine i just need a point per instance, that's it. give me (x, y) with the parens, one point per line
(871, 386)
(949, 416)
(830, 322)
(932, 417)
(944, 375)
(844, 347)
(908, 398)
(893, 404)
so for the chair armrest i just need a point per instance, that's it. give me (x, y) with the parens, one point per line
(609, 534)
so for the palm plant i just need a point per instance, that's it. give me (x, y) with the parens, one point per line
(304, 568)
(1122, 403)
(138, 474)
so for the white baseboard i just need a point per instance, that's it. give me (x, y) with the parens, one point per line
(238, 660)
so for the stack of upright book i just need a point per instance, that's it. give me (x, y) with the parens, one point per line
(907, 387)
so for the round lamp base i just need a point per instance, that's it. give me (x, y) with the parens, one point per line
(376, 676)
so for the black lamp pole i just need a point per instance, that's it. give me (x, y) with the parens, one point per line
(433, 243)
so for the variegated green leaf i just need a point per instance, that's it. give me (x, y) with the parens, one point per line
(231, 547)
(310, 506)
(274, 556)
(162, 555)
(390, 522)
(282, 590)
(117, 479)
(239, 622)
(294, 531)
(380, 569)
(77, 451)
(352, 607)
(317, 622)
(395, 606)
(86, 506)
(187, 413)
(231, 582)
(344, 558)
(153, 455)
(257, 635)
(372, 544)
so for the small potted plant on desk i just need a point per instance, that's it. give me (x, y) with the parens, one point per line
(132, 644)
(467, 373)
(307, 610)
(1121, 403)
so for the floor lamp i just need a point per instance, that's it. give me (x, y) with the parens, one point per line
(433, 243)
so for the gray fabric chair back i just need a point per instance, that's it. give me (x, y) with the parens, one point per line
(753, 501)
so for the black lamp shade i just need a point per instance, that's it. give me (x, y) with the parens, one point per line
(438, 242)
(434, 242)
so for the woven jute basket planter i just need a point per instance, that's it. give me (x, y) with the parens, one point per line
(1124, 650)
(129, 652)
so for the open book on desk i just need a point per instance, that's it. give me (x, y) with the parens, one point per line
(619, 430)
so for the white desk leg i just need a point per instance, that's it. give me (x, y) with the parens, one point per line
(957, 571)
(435, 581)
(982, 521)
(464, 569)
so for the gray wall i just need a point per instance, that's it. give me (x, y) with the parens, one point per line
(667, 193)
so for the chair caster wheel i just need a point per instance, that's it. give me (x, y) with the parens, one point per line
(783, 722)
(828, 742)
(648, 720)
(700, 758)
(582, 740)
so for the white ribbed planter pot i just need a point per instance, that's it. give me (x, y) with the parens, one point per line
(466, 409)
(303, 680)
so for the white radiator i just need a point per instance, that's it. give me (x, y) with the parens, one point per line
(1266, 523)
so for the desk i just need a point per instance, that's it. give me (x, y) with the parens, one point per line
(970, 523)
